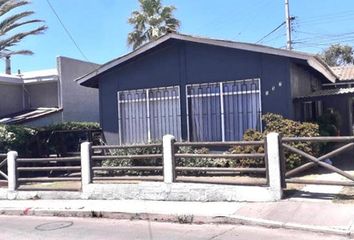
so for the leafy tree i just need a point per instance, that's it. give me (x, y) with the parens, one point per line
(338, 55)
(150, 22)
(10, 21)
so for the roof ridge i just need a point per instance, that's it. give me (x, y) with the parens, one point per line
(240, 42)
(315, 62)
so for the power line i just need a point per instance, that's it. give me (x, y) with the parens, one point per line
(252, 17)
(329, 42)
(328, 16)
(317, 37)
(325, 21)
(67, 31)
(274, 38)
(274, 30)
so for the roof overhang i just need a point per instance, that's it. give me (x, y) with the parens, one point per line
(40, 80)
(10, 79)
(327, 92)
(29, 115)
(90, 79)
(41, 76)
(35, 77)
(322, 67)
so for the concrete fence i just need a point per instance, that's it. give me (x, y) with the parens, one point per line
(169, 189)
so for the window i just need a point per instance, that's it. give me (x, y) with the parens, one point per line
(145, 115)
(223, 111)
(312, 110)
(308, 111)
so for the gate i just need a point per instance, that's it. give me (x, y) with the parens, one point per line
(289, 176)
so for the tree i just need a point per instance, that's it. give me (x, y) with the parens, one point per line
(338, 55)
(10, 36)
(150, 22)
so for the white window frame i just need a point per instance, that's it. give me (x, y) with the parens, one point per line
(148, 114)
(222, 104)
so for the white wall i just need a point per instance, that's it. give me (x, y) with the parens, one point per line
(11, 98)
(44, 94)
(79, 103)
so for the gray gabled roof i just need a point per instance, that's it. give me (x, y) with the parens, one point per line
(312, 60)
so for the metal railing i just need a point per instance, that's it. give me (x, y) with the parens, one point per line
(104, 164)
(136, 171)
(3, 162)
(288, 176)
(26, 167)
(210, 172)
(108, 164)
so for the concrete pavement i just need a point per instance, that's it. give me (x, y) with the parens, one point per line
(324, 217)
(50, 228)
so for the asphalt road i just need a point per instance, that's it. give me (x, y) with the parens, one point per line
(26, 227)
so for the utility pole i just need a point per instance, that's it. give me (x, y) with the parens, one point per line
(288, 25)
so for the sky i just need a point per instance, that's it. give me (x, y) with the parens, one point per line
(100, 28)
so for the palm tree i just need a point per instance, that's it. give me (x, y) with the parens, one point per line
(9, 37)
(152, 21)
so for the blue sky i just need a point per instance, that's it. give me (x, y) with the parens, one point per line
(100, 26)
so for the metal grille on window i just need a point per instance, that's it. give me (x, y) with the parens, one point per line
(223, 111)
(145, 115)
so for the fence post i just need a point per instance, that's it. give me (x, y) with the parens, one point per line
(12, 170)
(86, 168)
(169, 173)
(274, 165)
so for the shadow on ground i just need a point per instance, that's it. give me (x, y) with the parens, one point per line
(288, 194)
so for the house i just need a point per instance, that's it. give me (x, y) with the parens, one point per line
(48, 96)
(201, 89)
(338, 96)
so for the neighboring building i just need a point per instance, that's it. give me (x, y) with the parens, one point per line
(201, 89)
(48, 96)
(339, 96)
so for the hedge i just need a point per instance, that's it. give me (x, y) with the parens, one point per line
(286, 127)
(25, 140)
(17, 138)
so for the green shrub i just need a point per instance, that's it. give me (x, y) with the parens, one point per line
(132, 162)
(250, 135)
(181, 162)
(65, 137)
(193, 162)
(286, 127)
(197, 161)
(26, 140)
(17, 138)
(71, 126)
(329, 123)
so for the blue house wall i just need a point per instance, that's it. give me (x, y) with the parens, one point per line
(178, 62)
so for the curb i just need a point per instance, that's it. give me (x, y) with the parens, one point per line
(174, 218)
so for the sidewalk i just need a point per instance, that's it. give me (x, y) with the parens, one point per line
(325, 217)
